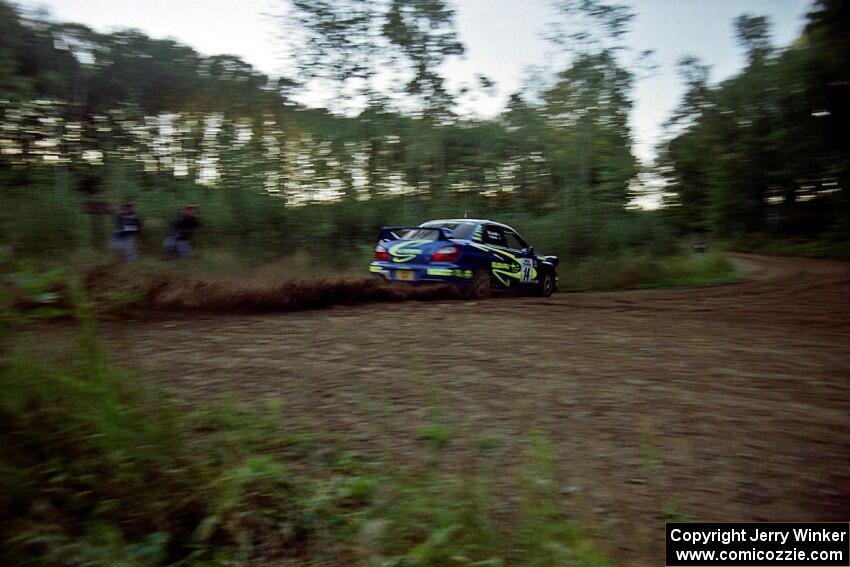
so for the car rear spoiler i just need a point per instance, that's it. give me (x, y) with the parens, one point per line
(392, 232)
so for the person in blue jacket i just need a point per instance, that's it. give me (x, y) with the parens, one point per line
(128, 226)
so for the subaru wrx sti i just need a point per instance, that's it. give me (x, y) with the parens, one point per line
(478, 256)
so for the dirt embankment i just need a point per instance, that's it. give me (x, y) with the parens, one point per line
(715, 403)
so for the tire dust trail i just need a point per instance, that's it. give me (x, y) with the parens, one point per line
(715, 403)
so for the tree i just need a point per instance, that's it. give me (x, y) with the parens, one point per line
(350, 44)
(769, 142)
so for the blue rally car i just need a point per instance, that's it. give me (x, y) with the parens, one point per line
(480, 256)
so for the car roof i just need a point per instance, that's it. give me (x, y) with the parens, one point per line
(469, 221)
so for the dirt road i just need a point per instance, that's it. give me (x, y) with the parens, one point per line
(717, 403)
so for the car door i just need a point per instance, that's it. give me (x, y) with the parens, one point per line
(510, 268)
(493, 240)
(519, 248)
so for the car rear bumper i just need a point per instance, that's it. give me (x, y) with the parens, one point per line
(444, 272)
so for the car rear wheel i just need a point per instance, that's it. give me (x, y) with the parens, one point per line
(547, 285)
(481, 286)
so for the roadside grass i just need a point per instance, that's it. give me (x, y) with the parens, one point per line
(643, 272)
(224, 266)
(436, 434)
(695, 269)
(265, 289)
(222, 283)
(670, 512)
(828, 246)
(98, 467)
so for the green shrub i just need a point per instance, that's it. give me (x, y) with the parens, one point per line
(41, 221)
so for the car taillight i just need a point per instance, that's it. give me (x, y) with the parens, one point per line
(381, 253)
(446, 254)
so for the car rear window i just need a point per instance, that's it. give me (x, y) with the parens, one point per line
(419, 234)
(460, 230)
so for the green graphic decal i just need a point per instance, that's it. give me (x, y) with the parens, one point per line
(522, 269)
(402, 251)
(467, 274)
(439, 272)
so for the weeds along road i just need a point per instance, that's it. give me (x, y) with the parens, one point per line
(717, 403)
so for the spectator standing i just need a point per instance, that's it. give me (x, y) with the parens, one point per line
(178, 242)
(128, 226)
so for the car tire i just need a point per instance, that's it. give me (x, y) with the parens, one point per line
(481, 286)
(546, 287)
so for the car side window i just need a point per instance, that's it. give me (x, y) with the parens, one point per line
(493, 235)
(514, 240)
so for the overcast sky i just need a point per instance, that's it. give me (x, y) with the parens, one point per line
(502, 38)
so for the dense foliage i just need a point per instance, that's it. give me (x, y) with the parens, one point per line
(768, 148)
(87, 116)
(123, 117)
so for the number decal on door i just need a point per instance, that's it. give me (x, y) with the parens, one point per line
(526, 269)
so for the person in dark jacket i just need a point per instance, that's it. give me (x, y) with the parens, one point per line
(128, 226)
(178, 241)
